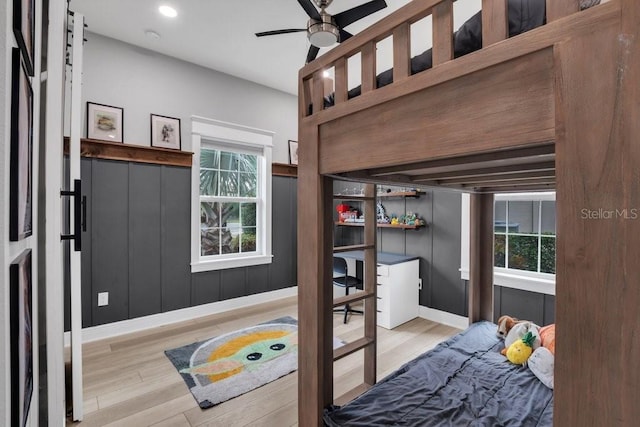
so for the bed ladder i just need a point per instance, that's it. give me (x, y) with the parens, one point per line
(367, 342)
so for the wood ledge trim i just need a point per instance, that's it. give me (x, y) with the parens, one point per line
(131, 153)
(283, 169)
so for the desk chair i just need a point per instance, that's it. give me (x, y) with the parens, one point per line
(341, 278)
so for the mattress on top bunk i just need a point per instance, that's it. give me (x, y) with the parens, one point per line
(463, 381)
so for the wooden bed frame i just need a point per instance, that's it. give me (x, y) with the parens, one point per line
(554, 108)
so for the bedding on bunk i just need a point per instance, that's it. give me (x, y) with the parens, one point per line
(523, 16)
(463, 381)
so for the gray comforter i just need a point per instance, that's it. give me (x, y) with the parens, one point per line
(464, 381)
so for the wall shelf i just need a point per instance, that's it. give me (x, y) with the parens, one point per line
(380, 225)
(357, 197)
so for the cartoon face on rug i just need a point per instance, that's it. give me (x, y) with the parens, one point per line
(243, 360)
(250, 350)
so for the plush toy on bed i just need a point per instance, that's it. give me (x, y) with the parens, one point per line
(520, 350)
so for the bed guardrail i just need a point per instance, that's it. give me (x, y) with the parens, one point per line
(313, 88)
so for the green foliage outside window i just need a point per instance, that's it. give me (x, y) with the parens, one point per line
(228, 227)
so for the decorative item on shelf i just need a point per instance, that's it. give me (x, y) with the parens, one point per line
(381, 215)
(165, 132)
(104, 122)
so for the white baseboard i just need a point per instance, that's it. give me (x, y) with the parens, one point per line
(123, 327)
(443, 317)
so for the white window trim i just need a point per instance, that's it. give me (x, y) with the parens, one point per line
(543, 283)
(230, 133)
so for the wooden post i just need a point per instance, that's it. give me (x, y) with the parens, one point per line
(495, 26)
(368, 60)
(557, 9)
(401, 52)
(598, 224)
(315, 298)
(370, 284)
(442, 19)
(341, 75)
(481, 258)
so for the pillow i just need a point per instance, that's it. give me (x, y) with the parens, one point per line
(541, 364)
(548, 337)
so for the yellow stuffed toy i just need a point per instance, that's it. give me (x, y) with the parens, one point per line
(519, 352)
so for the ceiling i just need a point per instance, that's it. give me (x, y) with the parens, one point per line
(220, 34)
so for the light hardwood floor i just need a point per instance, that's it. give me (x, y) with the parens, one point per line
(128, 380)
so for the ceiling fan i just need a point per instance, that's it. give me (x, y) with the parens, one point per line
(324, 29)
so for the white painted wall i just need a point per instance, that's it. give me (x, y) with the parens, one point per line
(145, 82)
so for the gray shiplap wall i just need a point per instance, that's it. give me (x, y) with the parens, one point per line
(137, 244)
(437, 245)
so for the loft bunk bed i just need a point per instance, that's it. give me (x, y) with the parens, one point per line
(553, 108)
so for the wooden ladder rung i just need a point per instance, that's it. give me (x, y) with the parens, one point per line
(348, 299)
(352, 248)
(352, 347)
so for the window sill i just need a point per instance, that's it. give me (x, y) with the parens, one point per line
(525, 282)
(222, 264)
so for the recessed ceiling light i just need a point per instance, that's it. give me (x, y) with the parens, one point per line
(168, 11)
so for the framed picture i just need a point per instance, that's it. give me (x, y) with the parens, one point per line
(21, 176)
(24, 30)
(165, 132)
(20, 280)
(104, 122)
(293, 152)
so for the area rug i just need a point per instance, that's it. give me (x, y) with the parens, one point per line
(227, 366)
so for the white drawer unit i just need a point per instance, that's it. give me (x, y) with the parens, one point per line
(398, 283)
(398, 293)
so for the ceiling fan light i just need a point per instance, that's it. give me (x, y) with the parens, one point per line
(323, 38)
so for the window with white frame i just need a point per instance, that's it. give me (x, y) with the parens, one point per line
(524, 241)
(525, 232)
(231, 195)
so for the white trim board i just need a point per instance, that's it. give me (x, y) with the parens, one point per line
(443, 317)
(124, 327)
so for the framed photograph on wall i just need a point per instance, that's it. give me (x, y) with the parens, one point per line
(21, 157)
(21, 315)
(293, 152)
(24, 30)
(104, 122)
(165, 132)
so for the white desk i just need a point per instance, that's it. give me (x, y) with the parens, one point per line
(398, 286)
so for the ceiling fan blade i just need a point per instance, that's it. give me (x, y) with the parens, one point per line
(311, 10)
(352, 15)
(313, 53)
(344, 35)
(275, 32)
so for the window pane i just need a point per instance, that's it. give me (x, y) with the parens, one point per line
(209, 159)
(248, 184)
(231, 228)
(228, 161)
(229, 184)
(209, 241)
(500, 216)
(248, 214)
(522, 215)
(248, 239)
(548, 255)
(523, 252)
(209, 215)
(498, 249)
(208, 182)
(548, 217)
(248, 163)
